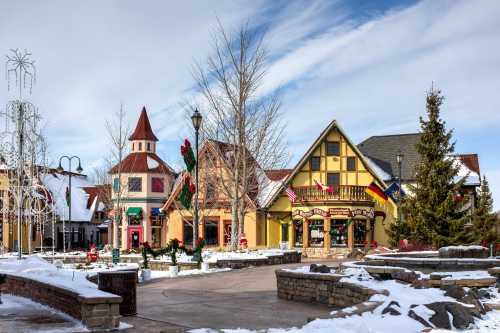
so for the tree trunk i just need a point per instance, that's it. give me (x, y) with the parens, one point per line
(234, 225)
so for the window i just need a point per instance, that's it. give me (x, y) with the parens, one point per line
(351, 163)
(157, 185)
(333, 148)
(133, 146)
(359, 232)
(333, 179)
(116, 185)
(284, 232)
(148, 145)
(210, 195)
(338, 231)
(188, 233)
(135, 184)
(316, 233)
(315, 163)
(140, 146)
(211, 232)
(227, 232)
(299, 232)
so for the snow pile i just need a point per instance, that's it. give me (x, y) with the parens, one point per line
(35, 268)
(213, 257)
(376, 322)
(463, 248)
(188, 272)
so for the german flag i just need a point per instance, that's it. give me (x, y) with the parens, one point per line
(376, 193)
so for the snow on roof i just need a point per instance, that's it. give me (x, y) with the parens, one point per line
(377, 169)
(472, 178)
(267, 187)
(152, 164)
(58, 184)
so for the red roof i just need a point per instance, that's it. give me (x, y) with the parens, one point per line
(278, 174)
(94, 192)
(143, 129)
(138, 163)
(471, 161)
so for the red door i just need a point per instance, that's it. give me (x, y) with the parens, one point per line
(134, 237)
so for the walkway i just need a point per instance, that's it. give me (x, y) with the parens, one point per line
(236, 299)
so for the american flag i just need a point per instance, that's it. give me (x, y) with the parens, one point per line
(291, 194)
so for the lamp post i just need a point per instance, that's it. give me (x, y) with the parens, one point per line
(399, 159)
(79, 170)
(196, 119)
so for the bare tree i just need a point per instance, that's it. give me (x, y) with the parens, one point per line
(118, 131)
(241, 116)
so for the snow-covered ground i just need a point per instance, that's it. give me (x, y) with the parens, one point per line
(188, 272)
(376, 322)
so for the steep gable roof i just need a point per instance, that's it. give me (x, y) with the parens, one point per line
(309, 152)
(142, 162)
(143, 129)
(383, 149)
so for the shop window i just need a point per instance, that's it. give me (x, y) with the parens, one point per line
(351, 163)
(211, 232)
(333, 179)
(333, 148)
(187, 233)
(338, 231)
(157, 185)
(316, 233)
(359, 233)
(315, 163)
(284, 232)
(227, 232)
(299, 232)
(135, 184)
(156, 236)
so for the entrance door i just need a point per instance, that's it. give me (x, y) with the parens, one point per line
(134, 237)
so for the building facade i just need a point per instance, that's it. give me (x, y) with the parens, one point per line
(332, 212)
(141, 184)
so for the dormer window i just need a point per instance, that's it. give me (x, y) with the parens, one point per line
(140, 146)
(133, 146)
(148, 145)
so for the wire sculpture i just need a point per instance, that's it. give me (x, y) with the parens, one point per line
(23, 158)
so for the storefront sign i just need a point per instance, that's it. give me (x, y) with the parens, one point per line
(369, 213)
(314, 211)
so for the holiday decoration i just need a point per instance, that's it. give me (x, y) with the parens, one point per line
(187, 192)
(323, 187)
(188, 155)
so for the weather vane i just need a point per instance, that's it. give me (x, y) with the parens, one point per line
(20, 66)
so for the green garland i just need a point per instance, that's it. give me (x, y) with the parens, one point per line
(172, 248)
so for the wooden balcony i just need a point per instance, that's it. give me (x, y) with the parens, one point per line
(351, 193)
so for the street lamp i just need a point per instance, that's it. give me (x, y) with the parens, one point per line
(60, 170)
(399, 159)
(196, 119)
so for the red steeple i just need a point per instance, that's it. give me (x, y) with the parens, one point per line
(143, 129)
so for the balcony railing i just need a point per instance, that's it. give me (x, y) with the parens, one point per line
(339, 193)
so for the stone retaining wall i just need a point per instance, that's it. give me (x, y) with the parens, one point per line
(290, 257)
(321, 288)
(94, 312)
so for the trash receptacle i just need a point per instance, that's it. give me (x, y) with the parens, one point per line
(124, 284)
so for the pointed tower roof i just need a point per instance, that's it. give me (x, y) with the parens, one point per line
(143, 129)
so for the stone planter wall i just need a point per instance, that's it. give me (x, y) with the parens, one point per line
(94, 312)
(289, 257)
(321, 288)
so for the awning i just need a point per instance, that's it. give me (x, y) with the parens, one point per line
(134, 211)
(157, 211)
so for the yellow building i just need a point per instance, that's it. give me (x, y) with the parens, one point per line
(215, 209)
(340, 216)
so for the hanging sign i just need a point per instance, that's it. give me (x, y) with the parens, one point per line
(314, 211)
(370, 213)
(340, 211)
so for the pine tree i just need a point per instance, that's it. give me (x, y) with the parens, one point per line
(484, 220)
(430, 213)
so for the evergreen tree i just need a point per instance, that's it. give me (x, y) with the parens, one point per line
(484, 220)
(431, 214)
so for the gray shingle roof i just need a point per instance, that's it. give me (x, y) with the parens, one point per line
(383, 150)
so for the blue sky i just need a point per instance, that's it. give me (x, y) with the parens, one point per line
(367, 64)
